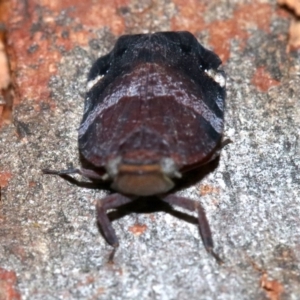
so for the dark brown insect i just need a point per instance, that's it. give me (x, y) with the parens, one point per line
(154, 109)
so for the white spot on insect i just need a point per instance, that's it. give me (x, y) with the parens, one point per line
(112, 166)
(93, 82)
(217, 76)
(169, 168)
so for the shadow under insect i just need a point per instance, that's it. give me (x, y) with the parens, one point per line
(152, 204)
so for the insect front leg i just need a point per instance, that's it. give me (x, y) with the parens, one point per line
(109, 202)
(61, 172)
(84, 172)
(204, 228)
(99, 180)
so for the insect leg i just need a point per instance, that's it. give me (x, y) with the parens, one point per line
(84, 172)
(109, 202)
(65, 174)
(202, 220)
(61, 172)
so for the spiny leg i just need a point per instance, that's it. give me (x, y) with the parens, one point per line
(109, 202)
(92, 175)
(61, 172)
(84, 172)
(223, 143)
(202, 220)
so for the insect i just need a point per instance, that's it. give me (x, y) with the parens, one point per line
(154, 109)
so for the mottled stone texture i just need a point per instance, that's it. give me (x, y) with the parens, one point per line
(48, 232)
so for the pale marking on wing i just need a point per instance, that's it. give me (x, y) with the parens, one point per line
(91, 83)
(217, 76)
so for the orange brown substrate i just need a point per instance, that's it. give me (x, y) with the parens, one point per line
(254, 16)
(294, 31)
(8, 281)
(5, 109)
(36, 39)
(4, 178)
(208, 189)
(138, 229)
(263, 81)
(273, 288)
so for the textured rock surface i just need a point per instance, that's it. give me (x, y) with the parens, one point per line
(48, 231)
